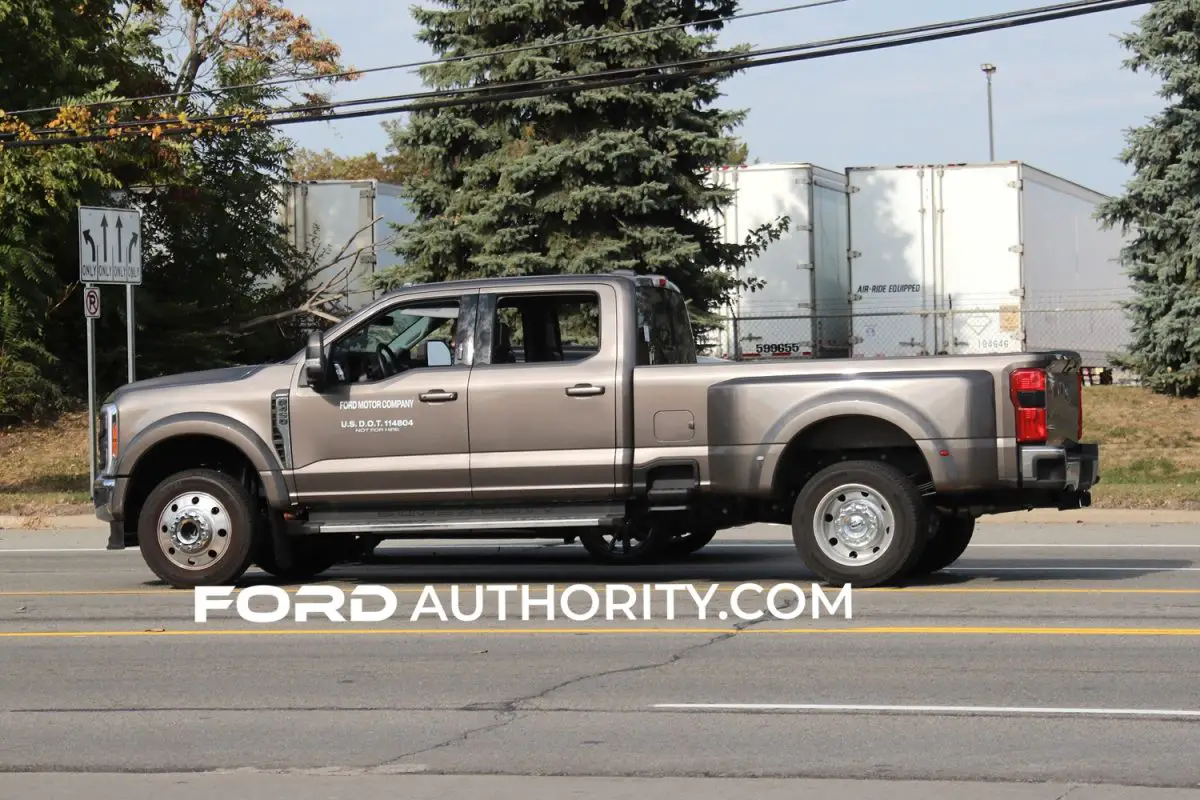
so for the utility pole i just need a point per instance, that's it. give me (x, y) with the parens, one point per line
(989, 70)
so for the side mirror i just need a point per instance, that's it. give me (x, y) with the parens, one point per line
(438, 353)
(316, 368)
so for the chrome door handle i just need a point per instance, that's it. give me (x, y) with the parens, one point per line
(584, 390)
(438, 396)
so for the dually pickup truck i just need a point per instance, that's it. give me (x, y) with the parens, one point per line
(576, 407)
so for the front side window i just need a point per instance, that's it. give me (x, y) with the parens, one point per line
(405, 337)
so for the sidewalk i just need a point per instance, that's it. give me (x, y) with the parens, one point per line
(1084, 516)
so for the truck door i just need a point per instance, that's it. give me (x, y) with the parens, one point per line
(545, 394)
(390, 425)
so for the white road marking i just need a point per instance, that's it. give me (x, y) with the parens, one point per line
(918, 709)
(60, 550)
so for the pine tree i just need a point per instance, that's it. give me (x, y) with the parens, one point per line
(1161, 204)
(581, 182)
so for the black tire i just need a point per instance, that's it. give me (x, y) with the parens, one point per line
(688, 542)
(205, 512)
(608, 546)
(879, 499)
(310, 557)
(951, 536)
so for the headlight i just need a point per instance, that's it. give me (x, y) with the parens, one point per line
(107, 440)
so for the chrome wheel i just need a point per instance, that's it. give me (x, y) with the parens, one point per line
(853, 525)
(194, 530)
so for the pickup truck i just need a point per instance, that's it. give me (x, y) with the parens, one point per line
(576, 407)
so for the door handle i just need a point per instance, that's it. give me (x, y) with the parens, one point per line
(584, 390)
(438, 396)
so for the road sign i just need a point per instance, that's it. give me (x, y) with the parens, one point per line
(110, 245)
(91, 302)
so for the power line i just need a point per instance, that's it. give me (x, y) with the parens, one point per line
(1098, 5)
(708, 65)
(433, 62)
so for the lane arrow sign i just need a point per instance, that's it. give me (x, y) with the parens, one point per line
(104, 235)
(119, 248)
(133, 237)
(87, 237)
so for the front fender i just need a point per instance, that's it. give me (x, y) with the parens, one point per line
(198, 423)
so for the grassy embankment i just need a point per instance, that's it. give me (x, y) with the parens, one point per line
(1150, 456)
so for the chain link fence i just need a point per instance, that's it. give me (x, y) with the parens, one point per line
(1095, 332)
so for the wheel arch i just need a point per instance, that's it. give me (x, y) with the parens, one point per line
(191, 440)
(861, 430)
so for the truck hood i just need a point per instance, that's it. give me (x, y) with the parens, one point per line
(199, 378)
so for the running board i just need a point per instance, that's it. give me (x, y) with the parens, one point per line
(459, 520)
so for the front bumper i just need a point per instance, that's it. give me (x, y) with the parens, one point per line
(103, 500)
(1069, 470)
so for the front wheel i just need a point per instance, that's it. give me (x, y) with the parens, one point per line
(860, 522)
(197, 528)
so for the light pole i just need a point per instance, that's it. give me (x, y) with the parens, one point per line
(989, 70)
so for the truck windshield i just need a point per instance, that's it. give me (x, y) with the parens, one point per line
(664, 325)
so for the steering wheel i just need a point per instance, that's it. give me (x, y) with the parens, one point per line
(387, 360)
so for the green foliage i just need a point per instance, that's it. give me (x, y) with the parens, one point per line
(580, 182)
(1162, 203)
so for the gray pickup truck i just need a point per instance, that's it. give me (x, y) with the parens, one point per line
(575, 407)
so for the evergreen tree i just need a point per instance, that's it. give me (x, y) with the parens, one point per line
(580, 182)
(1161, 204)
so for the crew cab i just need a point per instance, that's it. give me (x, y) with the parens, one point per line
(576, 407)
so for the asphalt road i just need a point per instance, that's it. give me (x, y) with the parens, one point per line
(1051, 658)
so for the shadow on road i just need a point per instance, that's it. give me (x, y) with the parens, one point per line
(566, 564)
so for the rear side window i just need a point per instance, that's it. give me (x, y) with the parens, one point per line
(664, 328)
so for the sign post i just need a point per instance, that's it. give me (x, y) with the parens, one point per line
(110, 252)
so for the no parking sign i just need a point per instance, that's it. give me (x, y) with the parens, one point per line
(91, 302)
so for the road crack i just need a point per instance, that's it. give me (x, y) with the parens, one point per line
(509, 711)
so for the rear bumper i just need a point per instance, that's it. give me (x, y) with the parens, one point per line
(1068, 471)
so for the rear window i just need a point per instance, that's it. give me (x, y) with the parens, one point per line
(665, 330)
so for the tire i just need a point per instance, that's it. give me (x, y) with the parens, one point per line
(311, 556)
(688, 542)
(883, 526)
(607, 545)
(951, 536)
(198, 528)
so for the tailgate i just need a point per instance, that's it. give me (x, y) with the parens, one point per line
(1064, 400)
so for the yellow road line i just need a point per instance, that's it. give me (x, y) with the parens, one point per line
(700, 588)
(848, 630)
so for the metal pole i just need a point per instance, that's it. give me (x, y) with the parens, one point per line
(91, 370)
(989, 70)
(129, 334)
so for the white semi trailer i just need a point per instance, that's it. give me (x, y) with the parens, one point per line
(802, 311)
(321, 217)
(981, 258)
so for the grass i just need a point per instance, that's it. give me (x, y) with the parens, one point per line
(1149, 456)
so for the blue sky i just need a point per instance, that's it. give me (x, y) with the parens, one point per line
(1062, 98)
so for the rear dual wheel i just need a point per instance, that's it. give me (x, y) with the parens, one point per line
(860, 522)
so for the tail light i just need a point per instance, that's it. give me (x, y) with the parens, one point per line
(1028, 390)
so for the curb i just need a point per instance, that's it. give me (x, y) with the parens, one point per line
(1083, 516)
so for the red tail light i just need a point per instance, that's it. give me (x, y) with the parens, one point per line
(1028, 390)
